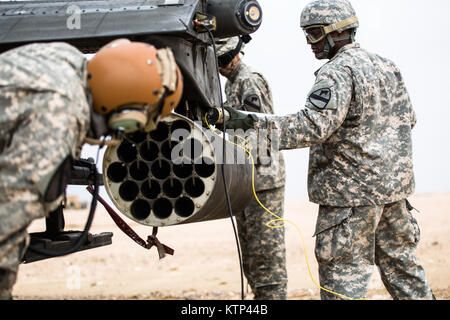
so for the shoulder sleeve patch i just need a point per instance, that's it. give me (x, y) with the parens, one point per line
(322, 96)
(252, 103)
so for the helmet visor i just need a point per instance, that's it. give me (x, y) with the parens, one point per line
(315, 33)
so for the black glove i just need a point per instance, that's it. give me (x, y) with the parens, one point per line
(239, 120)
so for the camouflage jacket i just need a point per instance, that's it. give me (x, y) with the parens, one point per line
(357, 121)
(248, 90)
(44, 117)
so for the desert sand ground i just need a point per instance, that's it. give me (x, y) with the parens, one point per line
(205, 264)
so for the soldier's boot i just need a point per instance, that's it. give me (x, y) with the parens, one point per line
(272, 292)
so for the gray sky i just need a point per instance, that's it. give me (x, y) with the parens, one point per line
(412, 33)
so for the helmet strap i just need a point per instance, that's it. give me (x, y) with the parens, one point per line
(331, 43)
(325, 54)
(225, 59)
(154, 113)
(152, 120)
(352, 35)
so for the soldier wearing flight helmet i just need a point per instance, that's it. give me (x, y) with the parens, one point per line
(53, 100)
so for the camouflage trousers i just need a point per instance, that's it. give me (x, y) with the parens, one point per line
(351, 240)
(263, 249)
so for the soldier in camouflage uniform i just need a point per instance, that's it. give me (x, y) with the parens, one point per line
(357, 123)
(263, 249)
(45, 116)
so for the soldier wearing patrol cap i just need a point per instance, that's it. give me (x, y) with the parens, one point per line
(52, 100)
(263, 249)
(357, 122)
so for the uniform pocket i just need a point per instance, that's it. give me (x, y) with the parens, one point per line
(413, 222)
(334, 235)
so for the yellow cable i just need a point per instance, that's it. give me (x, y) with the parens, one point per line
(278, 219)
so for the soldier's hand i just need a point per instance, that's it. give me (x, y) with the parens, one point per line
(239, 119)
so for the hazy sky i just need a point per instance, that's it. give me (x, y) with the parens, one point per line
(412, 33)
